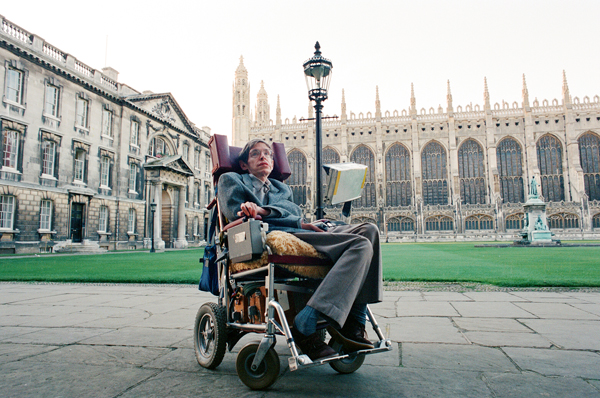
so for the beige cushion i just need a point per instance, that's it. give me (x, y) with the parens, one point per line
(283, 243)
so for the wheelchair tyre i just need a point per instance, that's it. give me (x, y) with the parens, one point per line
(266, 374)
(210, 335)
(348, 365)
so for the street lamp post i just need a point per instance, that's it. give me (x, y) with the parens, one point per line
(317, 71)
(152, 210)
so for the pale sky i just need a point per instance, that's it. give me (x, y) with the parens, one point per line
(192, 48)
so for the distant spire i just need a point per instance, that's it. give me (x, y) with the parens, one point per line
(343, 104)
(486, 94)
(525, 94)
(449, 99)
(413, 101)
(566, 94)
(377, 103)
(278, 112)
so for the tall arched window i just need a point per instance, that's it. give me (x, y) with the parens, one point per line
(158, 148)
(549, 154)
(471, 172)
(510, 171)
(589, 156)
(329, 156)
(364, 155)
(397, 174)
(297, 180)
(435, 182)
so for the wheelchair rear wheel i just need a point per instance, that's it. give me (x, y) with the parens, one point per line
(266, 374)
(210, 335)
(348, 365)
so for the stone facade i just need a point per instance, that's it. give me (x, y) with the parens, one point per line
(75, 151)
(452, 174)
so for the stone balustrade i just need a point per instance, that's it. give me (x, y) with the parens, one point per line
(54, 55)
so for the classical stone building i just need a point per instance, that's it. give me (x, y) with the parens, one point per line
(83, 156)
(459, 173)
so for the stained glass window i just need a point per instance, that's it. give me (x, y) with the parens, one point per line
(471, 172)
(435, 177)
(549, 153)
(363, 155)
(397, 175)
(589, 156)
(297, 180)
(510, 171)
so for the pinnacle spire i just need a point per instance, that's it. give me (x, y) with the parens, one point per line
(377, 103)
(449, 96)
(343, 104)
(566, 94)
(525, 93)
(486, 94)
(413, 101)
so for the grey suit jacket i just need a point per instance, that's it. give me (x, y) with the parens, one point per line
(234, 189)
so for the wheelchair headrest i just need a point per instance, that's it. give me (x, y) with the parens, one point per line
(225, 159)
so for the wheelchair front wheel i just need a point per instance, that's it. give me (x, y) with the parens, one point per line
(347, 365)
(210, 335)
(266, 374)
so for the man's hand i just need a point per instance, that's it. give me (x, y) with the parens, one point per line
(251, 209)
(311, 227)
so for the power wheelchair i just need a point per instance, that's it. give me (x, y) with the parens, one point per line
(264, 295)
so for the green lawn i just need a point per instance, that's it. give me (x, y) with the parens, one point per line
(177, 266)
(441, 262)
(507, 266)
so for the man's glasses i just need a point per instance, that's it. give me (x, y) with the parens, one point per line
(257, 153)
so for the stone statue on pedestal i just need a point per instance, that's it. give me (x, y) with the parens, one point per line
(533, 191)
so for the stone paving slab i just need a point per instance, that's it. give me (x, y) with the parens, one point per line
(423, 330)
(456, 357)
(534, 385)
(568, 334)
(30, 378)
(556, 362)
(490, 309)
(556, 311)
(490, 325)
(425, 308)
(77, 340)
(507, 339)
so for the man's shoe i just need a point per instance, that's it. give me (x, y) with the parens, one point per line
(312, 345)
(353, 336)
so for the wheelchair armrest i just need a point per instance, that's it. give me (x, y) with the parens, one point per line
(238, 222)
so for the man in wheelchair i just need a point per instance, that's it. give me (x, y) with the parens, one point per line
(356, 277)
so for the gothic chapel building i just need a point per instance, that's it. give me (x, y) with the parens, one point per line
(83, 157)
(459, 173)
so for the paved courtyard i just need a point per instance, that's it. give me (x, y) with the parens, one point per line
(76, 340)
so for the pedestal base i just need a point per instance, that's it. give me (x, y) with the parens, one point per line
(540, 237)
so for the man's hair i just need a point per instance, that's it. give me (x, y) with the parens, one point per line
(246, 150)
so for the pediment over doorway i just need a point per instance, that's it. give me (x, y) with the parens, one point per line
(171, 169)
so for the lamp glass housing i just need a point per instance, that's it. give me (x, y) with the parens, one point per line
(317, 72)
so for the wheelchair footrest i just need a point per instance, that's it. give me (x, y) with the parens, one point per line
(303, 361)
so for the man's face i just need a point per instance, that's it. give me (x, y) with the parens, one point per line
(260, 161)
